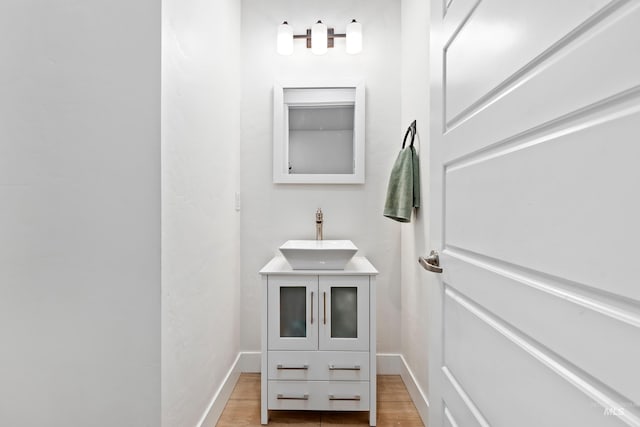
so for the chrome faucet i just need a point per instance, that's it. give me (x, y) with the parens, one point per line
(319, 224)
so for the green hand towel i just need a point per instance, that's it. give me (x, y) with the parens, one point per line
(403, 193)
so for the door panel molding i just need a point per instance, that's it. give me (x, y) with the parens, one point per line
(597, 391)
(587, 28)
(449, 419)
(608, 109)
(458, 15)
(503, 115)
(605, 303)
(613, 326)
(453, 392)
(476, 197)
(446, 4)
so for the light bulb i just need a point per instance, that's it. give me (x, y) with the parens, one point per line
(354, 37)
(285, 39)
(319, 38)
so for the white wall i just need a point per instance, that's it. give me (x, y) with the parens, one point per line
(274, 213)
(79, 213)
(415, 239)
(200, 227)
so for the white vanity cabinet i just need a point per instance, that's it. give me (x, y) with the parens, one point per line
(318, 338)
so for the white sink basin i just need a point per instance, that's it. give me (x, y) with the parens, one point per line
(318, 254)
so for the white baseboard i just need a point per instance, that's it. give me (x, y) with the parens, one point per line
(395, 364)
(249, 361)
(415, 391)
(217, 404)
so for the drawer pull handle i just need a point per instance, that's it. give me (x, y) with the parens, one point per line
(303, 397)
(344, 368)
(333, 397)
(292, 367)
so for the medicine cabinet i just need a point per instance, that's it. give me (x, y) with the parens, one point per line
(318, 133)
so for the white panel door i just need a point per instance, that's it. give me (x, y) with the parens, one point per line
(535, 210)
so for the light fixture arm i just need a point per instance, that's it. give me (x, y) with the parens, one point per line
(330, 37)
(353, 36)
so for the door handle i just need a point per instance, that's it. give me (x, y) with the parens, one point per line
(431, 263)
(312, 307)
(324, 305)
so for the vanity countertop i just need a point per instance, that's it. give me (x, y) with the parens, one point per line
(358, 265)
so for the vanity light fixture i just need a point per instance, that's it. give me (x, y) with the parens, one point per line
(319, 38)
(354, 37)
(285, 39)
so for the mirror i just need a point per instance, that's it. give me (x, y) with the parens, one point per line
(318, 134)
(321, 139)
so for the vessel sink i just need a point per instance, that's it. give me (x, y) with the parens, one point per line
(318, 254)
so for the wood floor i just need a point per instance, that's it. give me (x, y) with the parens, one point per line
(395, 408)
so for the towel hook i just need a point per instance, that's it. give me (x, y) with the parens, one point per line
(412, 129)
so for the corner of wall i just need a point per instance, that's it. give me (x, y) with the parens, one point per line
(415, 236)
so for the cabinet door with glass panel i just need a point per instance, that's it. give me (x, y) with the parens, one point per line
(344, 310)
(325, 313)
(293, 312)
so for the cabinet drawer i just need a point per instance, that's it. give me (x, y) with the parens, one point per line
(347, 396)
(318, 365)
(319, 395)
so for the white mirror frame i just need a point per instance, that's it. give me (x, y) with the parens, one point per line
(281, 173)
